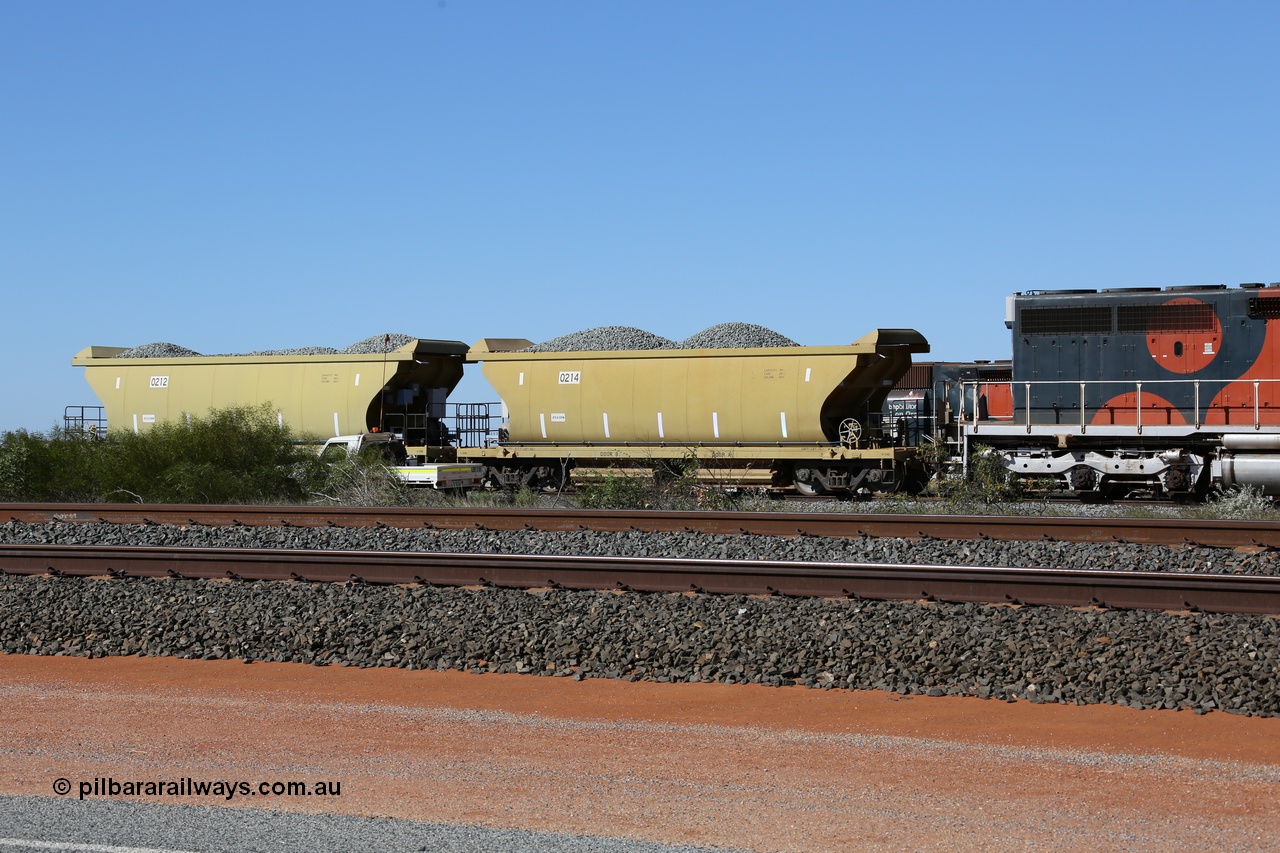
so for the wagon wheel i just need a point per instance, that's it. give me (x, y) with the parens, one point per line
(850, 432)
(807, 483)
(550, 478)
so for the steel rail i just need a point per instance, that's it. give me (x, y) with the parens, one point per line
(1152, 531)
(1069, 587)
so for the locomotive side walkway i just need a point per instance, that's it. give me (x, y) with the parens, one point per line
(742, 766)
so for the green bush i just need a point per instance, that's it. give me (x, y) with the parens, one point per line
(62, 466)
(617, 489)
(1240, 503)
(365, 479)
(666, 484)
(988, 481)
(229, 456)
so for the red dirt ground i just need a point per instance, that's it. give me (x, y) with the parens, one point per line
(741, 766)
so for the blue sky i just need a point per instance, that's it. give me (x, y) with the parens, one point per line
(236, 176)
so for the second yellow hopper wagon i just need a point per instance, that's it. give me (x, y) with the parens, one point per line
(802, 416)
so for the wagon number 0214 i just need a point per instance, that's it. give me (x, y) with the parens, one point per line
(571, 377)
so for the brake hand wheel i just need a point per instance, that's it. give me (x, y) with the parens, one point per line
(850, 432)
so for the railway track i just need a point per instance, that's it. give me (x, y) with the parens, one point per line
(1076, 588)
(1147, 531)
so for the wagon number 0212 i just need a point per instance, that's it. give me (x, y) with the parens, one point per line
(571, 377)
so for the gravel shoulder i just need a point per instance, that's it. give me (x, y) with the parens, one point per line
(1141, 659)
(740, 766)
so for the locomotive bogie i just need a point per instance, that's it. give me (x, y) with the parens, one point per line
(1171, 472)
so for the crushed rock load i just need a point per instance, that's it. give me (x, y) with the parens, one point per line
(296, 351)
(722, 336)
(379, 344)
(375, 345)
(1142, 659)
(736, 336)
(160, 349)
(604, 338)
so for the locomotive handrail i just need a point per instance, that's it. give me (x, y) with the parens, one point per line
(972, 419)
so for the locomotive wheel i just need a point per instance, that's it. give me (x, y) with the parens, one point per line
(1082, 478)
(850, 432)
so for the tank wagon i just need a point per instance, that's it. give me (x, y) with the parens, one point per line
(1170, 391)
(804, 416)
(404, 390)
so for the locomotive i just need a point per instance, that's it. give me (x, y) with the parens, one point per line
(1169, 392)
